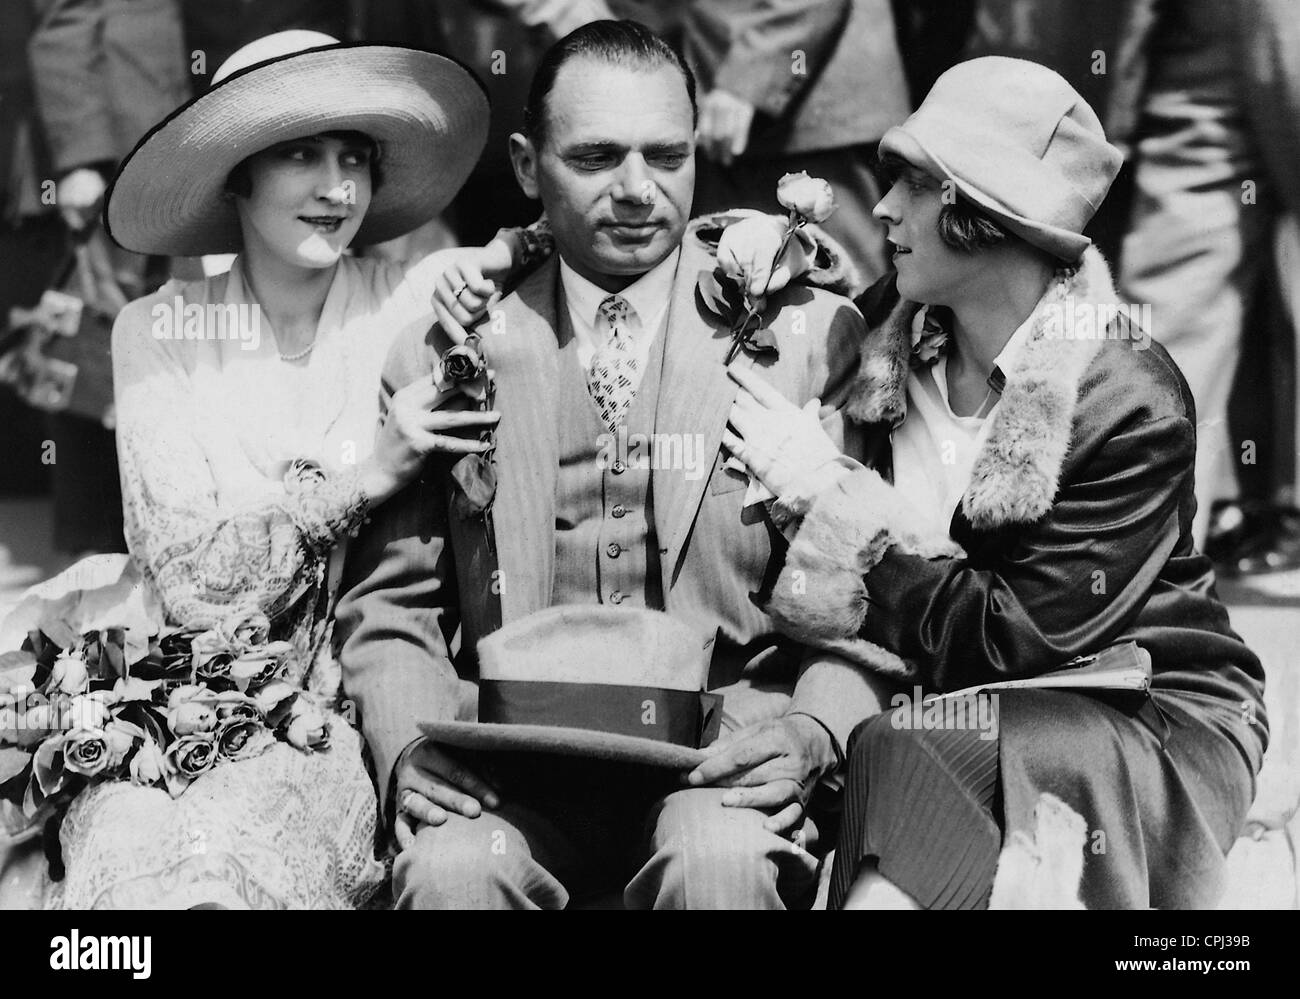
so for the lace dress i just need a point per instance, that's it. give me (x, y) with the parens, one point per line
(211, 432)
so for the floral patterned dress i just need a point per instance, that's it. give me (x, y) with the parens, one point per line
(240, 491)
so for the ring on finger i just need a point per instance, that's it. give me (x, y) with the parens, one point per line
(460, 290)
(404, 799)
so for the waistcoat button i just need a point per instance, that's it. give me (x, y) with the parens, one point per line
(619, 511)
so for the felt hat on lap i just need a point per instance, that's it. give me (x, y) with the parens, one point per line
(595, 681)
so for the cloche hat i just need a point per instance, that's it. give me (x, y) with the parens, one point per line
(1016, 139)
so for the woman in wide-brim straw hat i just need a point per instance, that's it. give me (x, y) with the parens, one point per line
(1027, 499)
(247, 407)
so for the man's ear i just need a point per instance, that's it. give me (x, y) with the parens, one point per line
(523, 156)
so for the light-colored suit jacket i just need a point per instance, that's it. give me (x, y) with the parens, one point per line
(419, 572)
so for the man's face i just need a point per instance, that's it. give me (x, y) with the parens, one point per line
(616, 172)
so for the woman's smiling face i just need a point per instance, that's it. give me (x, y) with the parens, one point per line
(929, 270)
(308, 197)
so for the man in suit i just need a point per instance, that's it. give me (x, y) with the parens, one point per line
(606, 341)
(789, 85)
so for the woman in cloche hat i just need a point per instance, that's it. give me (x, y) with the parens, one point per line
(1024, 498)
(247, 406)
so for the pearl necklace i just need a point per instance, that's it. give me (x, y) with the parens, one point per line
(301, 354)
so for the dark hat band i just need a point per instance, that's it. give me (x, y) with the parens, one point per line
(688, 718)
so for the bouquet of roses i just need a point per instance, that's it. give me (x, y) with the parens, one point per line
(192, 700)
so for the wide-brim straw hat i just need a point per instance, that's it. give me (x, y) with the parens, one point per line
(617, 684)
(427, 113)
(1021, 143)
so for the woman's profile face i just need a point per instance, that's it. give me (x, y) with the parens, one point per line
(929, 270)
(308, 198)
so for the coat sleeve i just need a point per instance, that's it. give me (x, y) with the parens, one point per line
(861, 581)
(398, 604)
(750, 51)
(835, 690)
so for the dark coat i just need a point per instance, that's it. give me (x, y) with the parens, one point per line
(1075, 534)
(105, 72)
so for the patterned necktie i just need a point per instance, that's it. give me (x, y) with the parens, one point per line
(612, 378)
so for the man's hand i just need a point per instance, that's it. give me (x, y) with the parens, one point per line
(429, 785)
(724, 126)
(772, 766)
(79, 195)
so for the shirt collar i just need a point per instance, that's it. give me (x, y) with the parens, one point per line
(648, 294)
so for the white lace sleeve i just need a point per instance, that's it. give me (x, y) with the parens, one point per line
(204, 559)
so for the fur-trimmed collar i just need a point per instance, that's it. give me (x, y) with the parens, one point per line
(1017, 471)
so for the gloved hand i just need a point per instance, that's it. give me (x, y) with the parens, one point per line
(782, 445)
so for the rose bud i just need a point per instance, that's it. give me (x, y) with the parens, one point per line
(85, 752)
(809, 197)
(309, 729)
(87, 711)
(191, 717)
(69, 675)
(462, 363)
(120, 740)
(191, 755)
(147, 764)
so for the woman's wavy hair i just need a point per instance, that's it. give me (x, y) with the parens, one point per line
(963, 225)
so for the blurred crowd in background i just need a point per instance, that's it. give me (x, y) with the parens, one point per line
(1203, 96)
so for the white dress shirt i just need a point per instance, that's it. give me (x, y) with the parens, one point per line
(934, 448)
(648, 296)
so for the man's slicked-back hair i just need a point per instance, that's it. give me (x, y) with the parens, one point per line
(618, 43)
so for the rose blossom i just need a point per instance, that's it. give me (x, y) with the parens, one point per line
(191, 755)
(242, 739)
(462, 363)
(192, 717)
(86, 752)
(810, 197)
(231, 704)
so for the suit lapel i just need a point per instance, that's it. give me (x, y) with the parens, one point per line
(524, 357)
(695, 397)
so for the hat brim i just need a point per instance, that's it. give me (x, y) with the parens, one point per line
(1063, 244)
(490, 736)
(428, 114)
